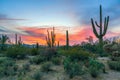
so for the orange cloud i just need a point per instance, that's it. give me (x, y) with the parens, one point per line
(35, 34)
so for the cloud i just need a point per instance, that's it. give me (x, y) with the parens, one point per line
(34, 31)
(76, 34)
(5, 17)
(84, 10)
(2, 29)
(9, 25)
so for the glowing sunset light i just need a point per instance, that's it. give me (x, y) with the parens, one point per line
(32, 18)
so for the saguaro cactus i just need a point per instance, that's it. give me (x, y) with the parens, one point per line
(3, 40)
(16, 41)
(37, 45)
(58, 44)
(102, 28)
(50, 38)
(19, 41)
(67, 40)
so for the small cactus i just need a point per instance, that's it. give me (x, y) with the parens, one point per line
(16, 41)
(58, 44)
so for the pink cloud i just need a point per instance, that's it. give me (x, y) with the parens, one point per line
(80, 34)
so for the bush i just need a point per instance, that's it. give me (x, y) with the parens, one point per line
(77, 54)
(34, 51)
(7, 67)
(56, 60)
(49, 53)
(93, 71)
(26, 67)
(46, 67)
(114, 65)
(37, 59)
(115, 56)
(93, 48)
(37, 75)
(95, 67)
(17, 52)
(72, 68)
(113, 48)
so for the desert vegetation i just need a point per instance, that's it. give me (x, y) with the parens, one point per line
(85, 61)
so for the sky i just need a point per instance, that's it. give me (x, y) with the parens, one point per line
(30, 19)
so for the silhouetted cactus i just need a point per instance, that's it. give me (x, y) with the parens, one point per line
(16, 41)
(19, 41)
(58, 44)
(3, 40)
(67, 39)
(37, 45)
(102, 29)
(50, 38)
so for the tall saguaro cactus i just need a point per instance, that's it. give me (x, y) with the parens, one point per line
(67, 40)
(102, 28)
(50, 38)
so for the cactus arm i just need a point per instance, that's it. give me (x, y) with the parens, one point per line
(94, 29)
(50, 38)
(53, 38)
(49, 41)
(100, 20)
(97, 24)
(107, 21)
(100, 16)
(105, 25)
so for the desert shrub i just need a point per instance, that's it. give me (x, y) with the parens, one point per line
(34, 51)
(66, 63)
(113, 49)
(93, 48)
(17, 52)
(107, 48)
(37, 75)
(95, 67)
(77, 54)
(49, 53)
(37, 59)
(21, 71)
(56, 60)
(89, 47)
(23, 78)
(46, 67)
(7, 67)
(115, 65)
(115, 56)
(72, 68)
(93, 71)
(26, 67)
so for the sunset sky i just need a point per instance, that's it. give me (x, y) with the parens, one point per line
(30, 19)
